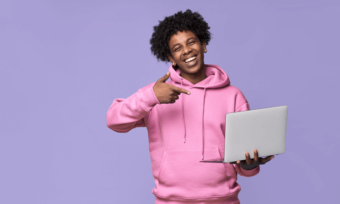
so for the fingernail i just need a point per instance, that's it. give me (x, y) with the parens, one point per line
(167, 73)
(188, 92)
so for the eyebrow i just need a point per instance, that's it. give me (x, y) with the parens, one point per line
(178, 43)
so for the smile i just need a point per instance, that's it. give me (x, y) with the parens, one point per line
(190, 59)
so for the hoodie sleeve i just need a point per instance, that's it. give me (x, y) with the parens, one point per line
(126, 114)
(241, 104)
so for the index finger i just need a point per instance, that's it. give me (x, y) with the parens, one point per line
(175, 88)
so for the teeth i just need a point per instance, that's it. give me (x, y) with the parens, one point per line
(190, 59)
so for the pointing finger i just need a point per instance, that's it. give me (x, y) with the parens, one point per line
(175, 93)
(175, 88)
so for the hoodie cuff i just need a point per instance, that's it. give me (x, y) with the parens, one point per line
(247, 173)
(148, 99)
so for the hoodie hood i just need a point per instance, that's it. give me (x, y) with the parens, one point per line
(216, 78)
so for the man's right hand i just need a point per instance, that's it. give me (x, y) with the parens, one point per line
(167, 93)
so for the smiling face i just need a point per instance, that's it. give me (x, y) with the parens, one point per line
(188, 53)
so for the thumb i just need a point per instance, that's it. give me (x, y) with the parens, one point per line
(165, 77)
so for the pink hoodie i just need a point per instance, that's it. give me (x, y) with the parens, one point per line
(185, 132)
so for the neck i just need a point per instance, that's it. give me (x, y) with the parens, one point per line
(196, 77)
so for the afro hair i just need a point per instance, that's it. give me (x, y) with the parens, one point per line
(178, 22)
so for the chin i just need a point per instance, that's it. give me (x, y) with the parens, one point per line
(190, 70)
(194, 69)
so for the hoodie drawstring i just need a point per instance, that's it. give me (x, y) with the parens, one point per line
(203, 126)
(183, 117)
(185, 132)
(216, 78)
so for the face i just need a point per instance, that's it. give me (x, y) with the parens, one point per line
(187, 52)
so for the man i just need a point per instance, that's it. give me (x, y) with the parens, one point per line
(185, 118)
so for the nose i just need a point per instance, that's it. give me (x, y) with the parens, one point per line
(186, 50)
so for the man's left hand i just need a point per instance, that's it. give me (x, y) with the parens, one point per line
(249, 164)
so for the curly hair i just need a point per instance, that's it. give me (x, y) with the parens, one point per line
(178, 22)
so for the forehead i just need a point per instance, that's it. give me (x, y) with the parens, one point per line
(181, 37)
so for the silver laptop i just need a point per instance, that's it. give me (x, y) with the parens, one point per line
(262, 129)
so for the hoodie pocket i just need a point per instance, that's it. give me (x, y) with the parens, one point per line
(182, 175)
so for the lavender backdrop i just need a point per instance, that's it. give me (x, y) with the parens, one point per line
(64, 62)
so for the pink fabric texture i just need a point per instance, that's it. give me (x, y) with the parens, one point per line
(185, 132)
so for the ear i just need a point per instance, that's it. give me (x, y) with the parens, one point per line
(171, 59)
(203, 45)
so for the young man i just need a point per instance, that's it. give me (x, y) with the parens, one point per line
(185, 118)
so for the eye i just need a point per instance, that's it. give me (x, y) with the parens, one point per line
(192, 42)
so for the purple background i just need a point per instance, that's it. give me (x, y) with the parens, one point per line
(64, 62)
